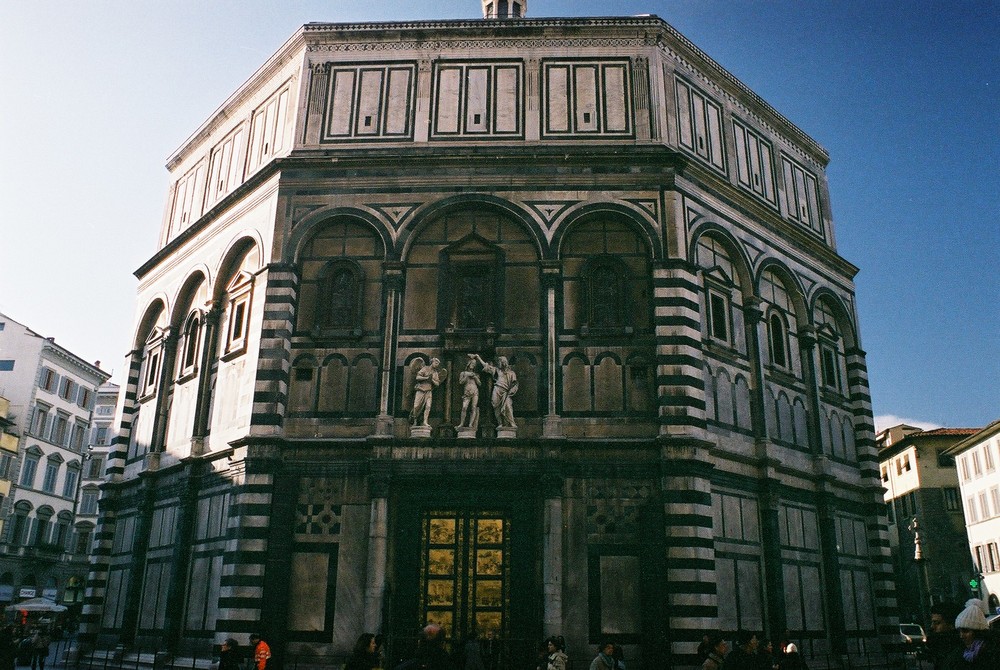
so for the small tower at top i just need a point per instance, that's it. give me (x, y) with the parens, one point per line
(504, 9)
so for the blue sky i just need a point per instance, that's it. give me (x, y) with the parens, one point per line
(904, 95)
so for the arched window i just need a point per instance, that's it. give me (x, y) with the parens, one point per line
(19, 523)
(341, 289)
(720, 282)
(191, 341)
(777, 334)
(471, 295)
(43, 525)
(606, 294)
(238, 313)
(830, 345)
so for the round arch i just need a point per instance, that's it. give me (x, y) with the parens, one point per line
(791, 283)
(156, 308)
(840, 312)
(741, 261)
(231, 260)
(589, 211)
(469, 201)
(315, 220)
(186, 293)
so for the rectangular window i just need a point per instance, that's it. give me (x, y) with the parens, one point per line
(977, 465)
(52, 473)
(6, 460)
(85, 398)
(890, 512)
(906, 462)
(988, 458)
(101, 436)
(69, 487)
(226, 167)
(970, 510)
(60, 430)
(188, 198)
(28, 471)
(753, 161)
(152, 370)
(994, 556)
(48, 379)
(67, 390)
(899, 466)
(829, 368)
(236, 334)
(885, 474)
(83, 541)
(965, 469)
(95, 469)
(995, 498)
(951, 499)
(6, 364)
(88, 502)
(40, 421)
(801, 201)
(984, 506)
(718, 315)
(979, 558)
(267, 130)
(79, 432)
(700, 124)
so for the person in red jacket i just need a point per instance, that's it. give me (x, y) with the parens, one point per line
(261, 651)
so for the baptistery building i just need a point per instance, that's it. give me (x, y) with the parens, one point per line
(523, 327)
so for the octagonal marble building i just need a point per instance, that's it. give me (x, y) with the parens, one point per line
(594, 206)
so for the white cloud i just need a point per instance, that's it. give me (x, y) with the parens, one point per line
(884, 421)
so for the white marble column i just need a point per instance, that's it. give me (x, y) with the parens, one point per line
(552, 566)
(377, 558)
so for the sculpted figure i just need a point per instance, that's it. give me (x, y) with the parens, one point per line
(504, 390)
(469, 379)
(427, 379)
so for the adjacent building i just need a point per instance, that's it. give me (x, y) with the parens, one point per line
(50, 393)
(977, 458)
(926, 525)
(519, 326)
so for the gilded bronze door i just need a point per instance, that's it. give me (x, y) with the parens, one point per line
(465, 571)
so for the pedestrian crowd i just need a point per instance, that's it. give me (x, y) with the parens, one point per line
(22, 646)
(749, 653)
(961, 639)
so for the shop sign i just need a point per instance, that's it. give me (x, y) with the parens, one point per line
(26, 593)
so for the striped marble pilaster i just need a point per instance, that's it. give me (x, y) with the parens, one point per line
(270, 396)
(690, 582)
(115, 467)
(679, 376)
(97, 573)
(878, 531)
(241, 592)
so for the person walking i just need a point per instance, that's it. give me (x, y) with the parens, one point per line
(261, 652)
(943, 639)
(40, 642)
(605, 659)
(229, 655)
(364, 656)
(744, 655)
(981, 650)
(715, 651)
(557, 659)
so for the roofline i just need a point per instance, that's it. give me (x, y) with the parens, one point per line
(912, 439)
(649, 21)
(981, 435)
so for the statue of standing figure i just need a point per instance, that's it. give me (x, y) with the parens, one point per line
(470, 382)
(428, 378)
(504, 390)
